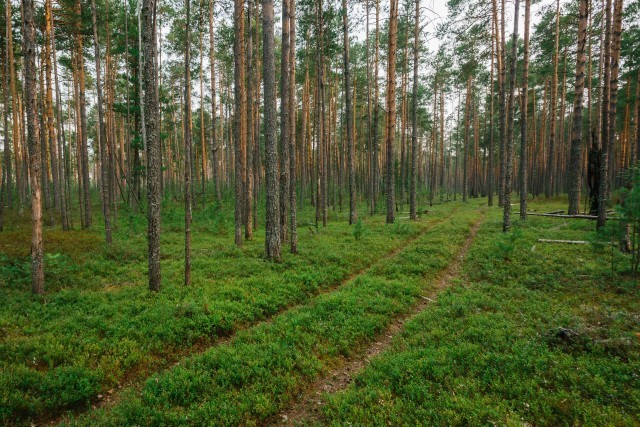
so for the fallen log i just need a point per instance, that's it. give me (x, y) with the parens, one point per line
(570, 242)
(550, 215)
(556, 212)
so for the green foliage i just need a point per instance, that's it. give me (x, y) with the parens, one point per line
(401, 228)
(359, 230)
(497, 351)
(629, 210)
(250, 379)
(99, 318)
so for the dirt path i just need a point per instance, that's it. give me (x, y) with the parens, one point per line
(137, 377)
(308, 405)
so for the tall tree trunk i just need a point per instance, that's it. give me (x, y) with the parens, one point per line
(491, 178)
(86, 184)
(240, 115)
(506, 225)
(391, 109)
(414, 116)
(604, 136)
(549, 175)
(35, 163)
(21, 174)
(248, 201)
(376, 112)
(523, 122)
(49, 133)
(292, 132)
(214, 145)
(106, 211)
(285, 121)
(273, 245)
(154, 197)
(203, 145)
(637, 151)
(616, 37)
(467, 124)
(64, 158)
(575, 163)
(353, 214)
(502, 83)
(6, 170)
(188, 156)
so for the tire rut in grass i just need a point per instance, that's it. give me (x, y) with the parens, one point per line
(307, 408)
(137, 380)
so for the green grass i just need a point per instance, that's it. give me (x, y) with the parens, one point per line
(250, 379)
(538, 334)
(98, 327)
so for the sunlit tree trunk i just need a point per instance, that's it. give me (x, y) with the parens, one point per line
(35, 161)
(106, 211)
(84, 150)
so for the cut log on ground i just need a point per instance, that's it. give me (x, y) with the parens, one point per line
(592, 217)
(569, 242)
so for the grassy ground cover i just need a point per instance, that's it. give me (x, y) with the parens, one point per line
(537, 334)
(98, 326)
(248, 380)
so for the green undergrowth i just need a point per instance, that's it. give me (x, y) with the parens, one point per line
(250, 379)
(539, 334)
(98, 327)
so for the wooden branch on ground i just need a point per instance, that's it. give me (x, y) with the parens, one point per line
(555, 212)
(570, 242)
(550, 215)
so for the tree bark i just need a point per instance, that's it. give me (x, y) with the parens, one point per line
(248, 194)
(414, 117)
(575, 162)
(106, 211)
(391, 110)
(239, 116)
(273, 249)
(151, 127)
(604, 136)
(524, 107)
(292, 132)
(506, 225)
(214, 146)
(35, 161)
(86, 183)
(376, 113)
(549, 175)
(188, 147)
(285, 121)
(353, 214)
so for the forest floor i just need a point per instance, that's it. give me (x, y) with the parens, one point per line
(445, 320)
